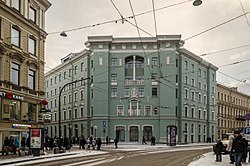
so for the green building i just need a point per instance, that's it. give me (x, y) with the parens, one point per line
(137, 87)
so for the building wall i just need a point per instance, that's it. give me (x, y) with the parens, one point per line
(19, 103)
(232, 106)
(116, 101)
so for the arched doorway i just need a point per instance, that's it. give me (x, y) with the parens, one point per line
(133, 133)
(147, 132)
(120, 133)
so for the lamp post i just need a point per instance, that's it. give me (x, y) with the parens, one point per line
(59, 104)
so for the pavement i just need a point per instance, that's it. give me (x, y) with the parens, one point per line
(208, 159)
(49, 154)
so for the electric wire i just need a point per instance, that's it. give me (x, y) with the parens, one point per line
(244, 12)
(216, 26)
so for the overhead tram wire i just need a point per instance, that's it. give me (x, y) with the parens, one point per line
(235, 63)
(139, 34)
(229, 49)
(242, 7)
(216, 26)
(233, 78)
(120, 19)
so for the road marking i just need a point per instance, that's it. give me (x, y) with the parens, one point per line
(84, 162)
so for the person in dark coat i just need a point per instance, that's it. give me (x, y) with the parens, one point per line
(144, 140)
(98, 143)
(238, 148)
(46, 142)
(244, 157)
(107, 140)
(5, 146)
(82, 142)
(218, 150)
(116, 142)
(153, 140)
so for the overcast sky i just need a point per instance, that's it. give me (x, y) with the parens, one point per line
(184, 19)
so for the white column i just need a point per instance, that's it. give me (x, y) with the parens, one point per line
(130, 107)
(134, 67)
(137, 109)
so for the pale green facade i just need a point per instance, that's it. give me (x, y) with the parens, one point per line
(139, 87)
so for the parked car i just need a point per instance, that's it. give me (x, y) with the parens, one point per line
(224, 148)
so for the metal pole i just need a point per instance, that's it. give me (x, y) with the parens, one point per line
(59, 104)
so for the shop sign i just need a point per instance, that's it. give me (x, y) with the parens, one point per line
(21, 126)
(11, 96)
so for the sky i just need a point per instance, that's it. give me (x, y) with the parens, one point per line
(222, 25)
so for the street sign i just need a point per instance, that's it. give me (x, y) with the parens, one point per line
(247, 130)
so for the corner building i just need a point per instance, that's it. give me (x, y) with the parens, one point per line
(22, 39)
(140, 87)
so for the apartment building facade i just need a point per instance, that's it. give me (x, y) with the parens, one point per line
(22, 39)
(232, 106)
(148, 86)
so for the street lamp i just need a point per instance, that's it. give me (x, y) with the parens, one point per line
(59, 105)
(197, 3)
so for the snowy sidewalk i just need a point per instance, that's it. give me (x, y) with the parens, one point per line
(208, 159)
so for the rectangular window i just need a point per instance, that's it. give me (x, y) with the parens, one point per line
(75, 69)
(154, 92)
(75, 96)
(55, 103)
(114, 92)
(176, 78)
(154, 61)
(199, 98)
(55, 80)
(15, 73)
(199, 86)
(15, 36)
(113, 78)
(16, 4)
(213, 77)
(76, 113)
(192, 68)
(60, 77)
(120, 110)
(70, 72)
(176, 62)
(82, 111)
(70, 114)
(32, 79)
(186, 94)
(192, 96)
(186, 79)
(192, 82)
(205, 74)
(192, 112)
(64, 115)
(113, 61)
(81, 95)
(199, 72)
(32, 14)
(69, 98)
(186, 111)
(205, 87)
(141, 92)
(186, 65)
(64, 100)
(126, 92)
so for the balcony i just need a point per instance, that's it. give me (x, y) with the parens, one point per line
(241, 118)
(139, 82)
(128, 82)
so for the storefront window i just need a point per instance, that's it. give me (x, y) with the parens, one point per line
(10, 109)
(32, 112)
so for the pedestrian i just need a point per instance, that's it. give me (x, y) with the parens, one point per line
(143, 140)
(23, 142)
(229, 147)
(82, 142)
(218, 150)
(107, 140)
(46, 142)
(244, 157)
(28, 146)
(17, 146)
(238, 148)
(116, 140)
(5, 147)
(153, 140)
(98, 143)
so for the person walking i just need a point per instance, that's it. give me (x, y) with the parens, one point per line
(229, 147)
(98, 143)
(238, 148)
(218, 150)
(116, 142)
(143, 140)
